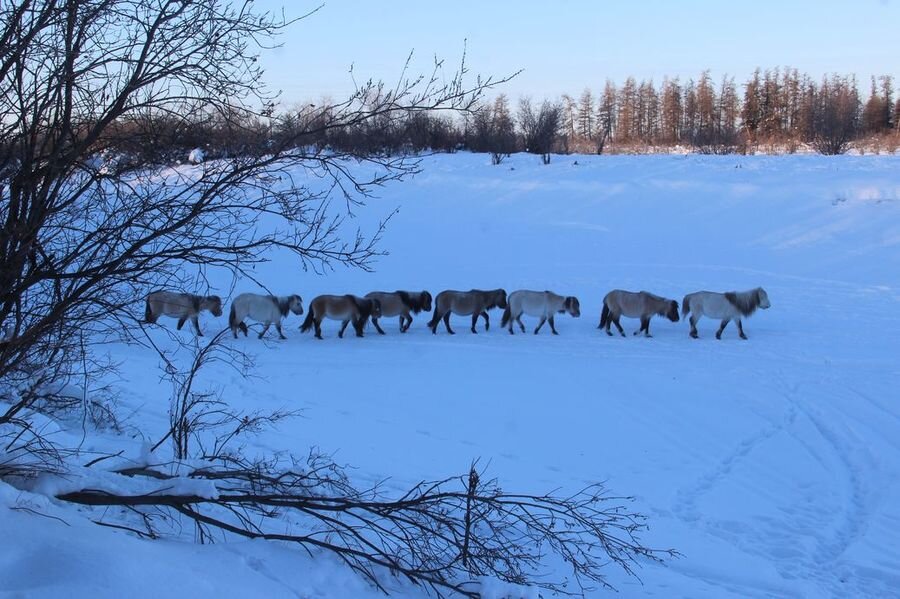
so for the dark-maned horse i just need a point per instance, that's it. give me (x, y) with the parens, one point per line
(346, 308)
(475, 302)
(641, 304)
(182, 306)
(267, 309)
(728, 306)
(400, 303)
(543, 304)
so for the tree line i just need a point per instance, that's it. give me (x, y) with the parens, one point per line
(776, 111)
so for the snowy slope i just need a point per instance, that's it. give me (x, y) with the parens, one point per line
(771, 464)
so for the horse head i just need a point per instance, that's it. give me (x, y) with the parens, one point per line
(295, 304)
(672, 314)
(499, 298)
(213, 303)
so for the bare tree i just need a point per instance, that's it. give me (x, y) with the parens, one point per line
(586, 115)
(606, 115)
(494, 131)
(540, 127)
(671, 112)
(836, 121)
(87, 230)
(442, 534)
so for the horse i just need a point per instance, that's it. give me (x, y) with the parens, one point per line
(642, 304)
(267, 309)
(346, 308)
(475, 302)
(182, 306)
(544, 304)
(401, 303)
(728, 306)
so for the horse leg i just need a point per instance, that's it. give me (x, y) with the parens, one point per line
(447, 323)
(243, 328)
(403, 324)
(475, 321)
(358, 325)
(740, 327)
(433, 324)
(487, 321)
(181, 322)
(378, 328)
(196, 322)
(521, 324)
(278, 328)
(694, 319)
(552, 325)
(540, 324)
(265, 328)
(343, 326)
(722, 328)
(615, 321)
(645, 327)
(318, 324)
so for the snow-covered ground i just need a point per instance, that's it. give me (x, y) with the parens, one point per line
(772, 465)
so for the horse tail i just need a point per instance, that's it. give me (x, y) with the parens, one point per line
(232, 318)
(148, 311)
(685, 306)
(308, 321)
(604, 316)
(507, 314)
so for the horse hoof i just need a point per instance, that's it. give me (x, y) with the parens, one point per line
(744, 337)
(555, 333)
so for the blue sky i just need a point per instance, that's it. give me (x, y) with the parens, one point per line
(565, 46)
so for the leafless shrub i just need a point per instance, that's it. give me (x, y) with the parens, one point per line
(439, 534)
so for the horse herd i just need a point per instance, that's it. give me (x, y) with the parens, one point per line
(271, 310)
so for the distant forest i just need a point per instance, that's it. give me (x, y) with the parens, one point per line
(774, 111)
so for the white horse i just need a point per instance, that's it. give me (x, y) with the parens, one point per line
(267, 309)
(732, 305)
(543, 304)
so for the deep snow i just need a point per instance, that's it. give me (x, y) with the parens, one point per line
(771, 464)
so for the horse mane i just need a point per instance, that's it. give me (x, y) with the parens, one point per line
(281, 303)
(663, 304)
(363, 306)
(409, 302)
(746, 302)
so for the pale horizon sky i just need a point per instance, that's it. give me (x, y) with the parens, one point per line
(565, 46)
